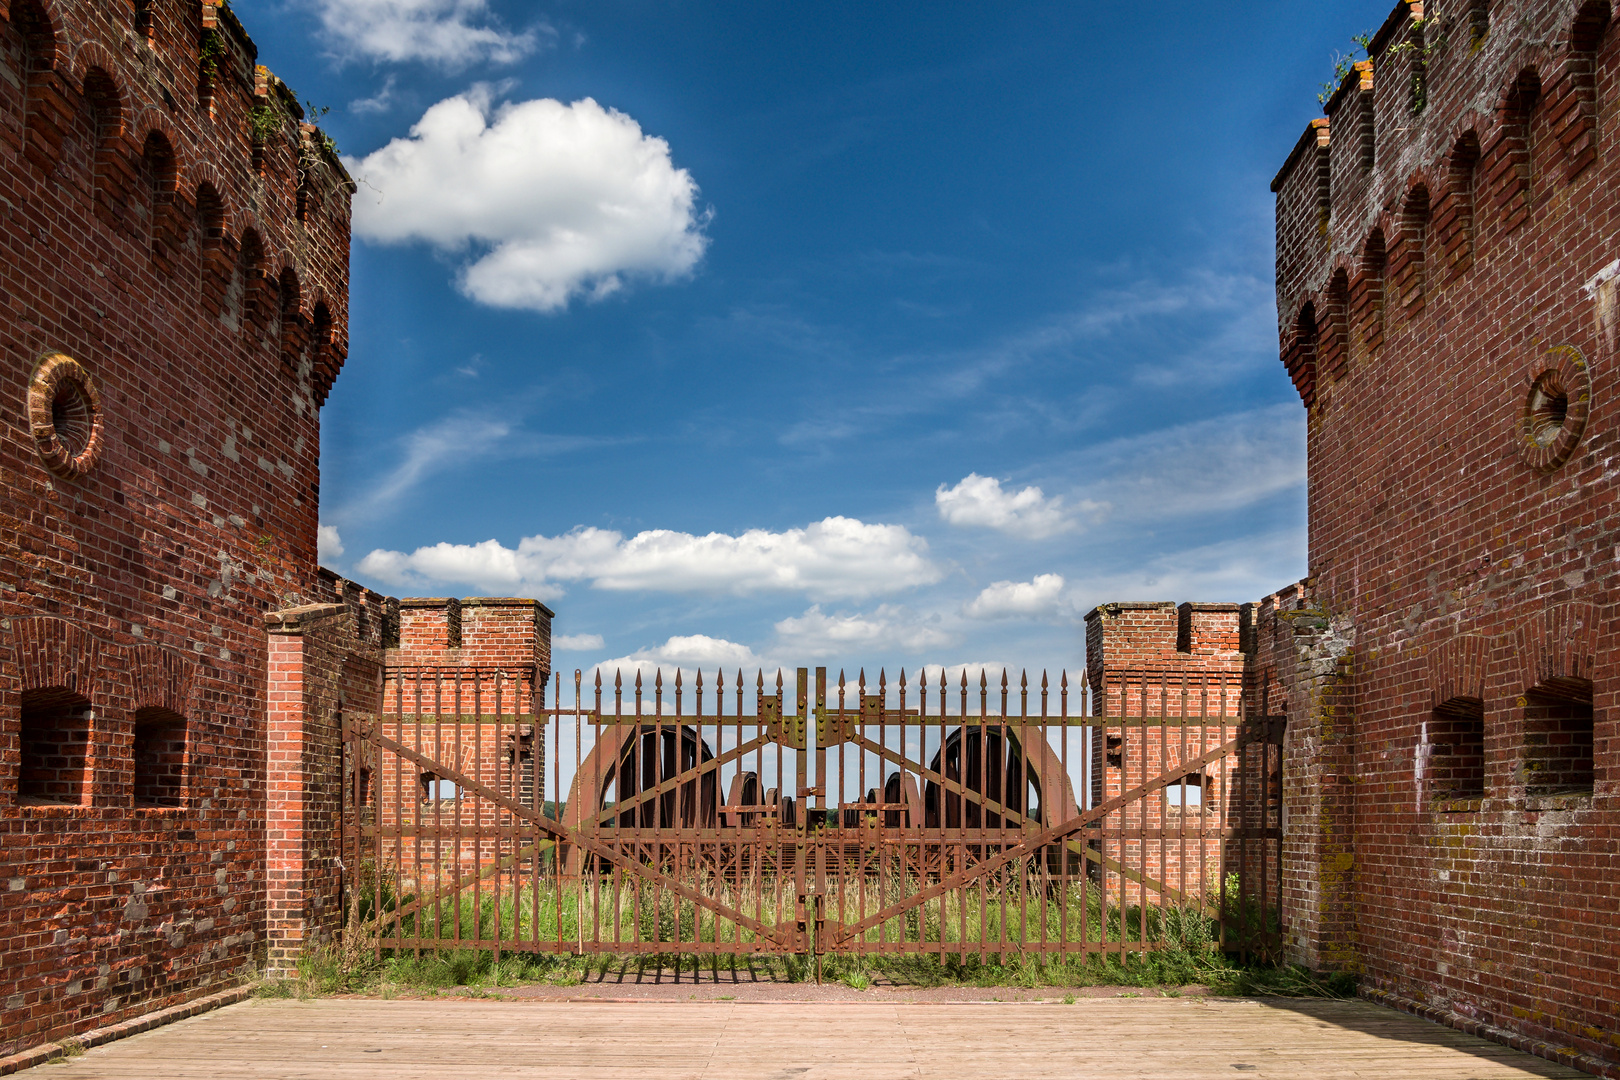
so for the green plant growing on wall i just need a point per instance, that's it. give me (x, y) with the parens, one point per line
(320, 141)
(265, 120)
(210, 52)
(1343, 63)
(1426, 38)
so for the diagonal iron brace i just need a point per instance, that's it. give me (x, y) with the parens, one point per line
(989, 805)
(848, 931)
(589, 843)
(640, 798)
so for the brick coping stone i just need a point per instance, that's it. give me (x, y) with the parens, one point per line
(43, 1053)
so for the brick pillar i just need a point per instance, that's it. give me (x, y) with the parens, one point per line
(1301, 670)
(303, 778)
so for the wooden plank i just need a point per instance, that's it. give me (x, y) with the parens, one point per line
(1189, 1038)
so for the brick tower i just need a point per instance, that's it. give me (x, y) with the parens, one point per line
(1446, 270)
(173, 311)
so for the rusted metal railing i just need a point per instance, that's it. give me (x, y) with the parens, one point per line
(988, 816)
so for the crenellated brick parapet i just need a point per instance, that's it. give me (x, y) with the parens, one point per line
(478, 631)
(1466, 121)
(185, 151)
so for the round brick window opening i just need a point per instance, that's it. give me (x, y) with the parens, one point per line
(64, 414)
(1548, 408)
(1555, 408)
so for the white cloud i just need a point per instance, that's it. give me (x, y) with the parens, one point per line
(1237, 570)
(577, 642)
(1216, 465)
(328, 545)
(380, 102)
(547, 201)
(488, 566)
(989, 671)
(689, 653)
(1018, 599)
(1027, 513)
(445, 443)
(889, 629)
(450, 34)
(834, 558)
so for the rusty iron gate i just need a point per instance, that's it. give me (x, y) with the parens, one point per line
(984, 816)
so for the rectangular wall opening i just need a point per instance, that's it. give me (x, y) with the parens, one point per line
(1188, 792)
(1456, 768)
(160, 757)
(1558, 738)
(55, 766)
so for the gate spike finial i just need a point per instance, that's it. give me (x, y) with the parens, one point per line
(598, 678)
(883, 682)
(1023, 678)
(618, 680)
(902, 678)
(861, 682)
(638, 680)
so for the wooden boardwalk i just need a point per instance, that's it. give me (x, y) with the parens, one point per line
(1117, 1039)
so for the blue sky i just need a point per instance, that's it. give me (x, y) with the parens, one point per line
(845, 334)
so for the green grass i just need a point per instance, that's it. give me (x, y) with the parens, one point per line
(1009, 913)
(987, 937)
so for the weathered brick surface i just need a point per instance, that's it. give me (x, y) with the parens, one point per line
(1298, 670)
(479, 631)
(200, 280)
(462, 686)
(319, 668)
(1463, 550)
(1158, 660)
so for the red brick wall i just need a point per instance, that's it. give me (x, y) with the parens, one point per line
(1469, 560)
(488, 656)
(1298, 671)
(1158, 660)
(147, 238)
(479, 631)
